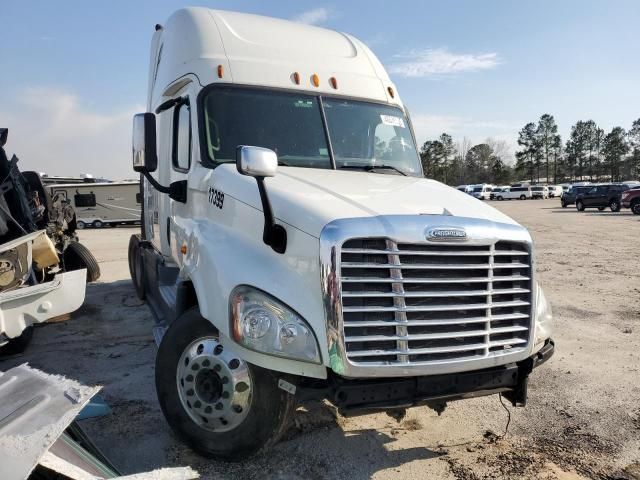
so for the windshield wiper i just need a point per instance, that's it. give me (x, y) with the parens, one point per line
(373, 168)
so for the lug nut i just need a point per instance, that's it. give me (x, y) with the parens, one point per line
(242, 387)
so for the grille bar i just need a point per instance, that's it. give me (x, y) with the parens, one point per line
(471, 253)
(435, 336)
(424, 351)
(431, 303)
(445, 293)
(433, 280)
(421, 323)
(437, 308)
(435, 266)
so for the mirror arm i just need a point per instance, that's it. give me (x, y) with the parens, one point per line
(156, 185)
(177, 190)
(273, 235)
(171, 103)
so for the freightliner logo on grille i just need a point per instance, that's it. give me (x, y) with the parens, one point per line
(446, 233)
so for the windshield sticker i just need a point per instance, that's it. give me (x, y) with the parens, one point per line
(303, 104)
(393, 121)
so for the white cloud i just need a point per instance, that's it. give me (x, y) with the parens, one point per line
(51, 131)
(440, 61)
(315, 16)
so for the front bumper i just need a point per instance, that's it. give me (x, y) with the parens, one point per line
(350, 395)
(22, 307)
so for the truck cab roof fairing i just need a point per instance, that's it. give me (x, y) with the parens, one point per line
(257, 50)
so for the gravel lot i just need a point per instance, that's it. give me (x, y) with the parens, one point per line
(582, 421)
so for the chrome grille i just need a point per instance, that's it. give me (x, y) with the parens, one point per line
(426, 303)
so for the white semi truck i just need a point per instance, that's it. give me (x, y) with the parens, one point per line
(291, 248)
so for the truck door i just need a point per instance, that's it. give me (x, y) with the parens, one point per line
(181, 150)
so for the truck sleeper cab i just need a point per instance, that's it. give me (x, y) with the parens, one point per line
(291, 248)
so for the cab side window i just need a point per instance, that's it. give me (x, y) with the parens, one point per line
(181, 149)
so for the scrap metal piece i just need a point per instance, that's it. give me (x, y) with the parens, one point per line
(35, 409)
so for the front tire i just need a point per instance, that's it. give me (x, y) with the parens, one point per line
(523, 197)
(580, 206)
(635, 207)
(218, 404)
(80, 225)
(563, 203)
(97, 224)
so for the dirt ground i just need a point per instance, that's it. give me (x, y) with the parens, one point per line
(582, 420)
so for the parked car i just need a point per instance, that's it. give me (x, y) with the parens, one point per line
(540, 191)
(569, 197)
(601, 197)
(631, 199)
(482, 191)
(516, 192)
(496, 191)
(555, 191)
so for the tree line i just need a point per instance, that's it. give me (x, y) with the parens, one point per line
(588, 154)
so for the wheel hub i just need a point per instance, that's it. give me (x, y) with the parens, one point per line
(214, 385)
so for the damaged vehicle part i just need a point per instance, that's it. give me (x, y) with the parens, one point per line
(33, 292)
(26, 206)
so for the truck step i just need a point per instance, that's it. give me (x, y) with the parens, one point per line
(168, 294)
(158, 333)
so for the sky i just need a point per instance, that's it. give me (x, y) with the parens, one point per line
(74, 72)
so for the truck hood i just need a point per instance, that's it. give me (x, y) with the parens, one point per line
(309, 199)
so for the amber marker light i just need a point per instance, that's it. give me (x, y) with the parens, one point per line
(315, 80)
(296, 78)
(333, 82)
(391, 92)
(183, 249)
(220, 71)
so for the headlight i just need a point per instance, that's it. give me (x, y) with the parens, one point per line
(262, 323)
(544, 317)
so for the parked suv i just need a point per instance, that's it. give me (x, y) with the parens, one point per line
(602, 196)
(569, 197)
(631, 199)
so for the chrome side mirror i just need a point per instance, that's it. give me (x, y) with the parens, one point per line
(256, 161)
(259, 163)
(145, 158)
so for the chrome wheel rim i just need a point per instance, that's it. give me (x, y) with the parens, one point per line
(214, 385)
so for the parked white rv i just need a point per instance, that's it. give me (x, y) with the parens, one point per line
(291, 247)
(102, 204)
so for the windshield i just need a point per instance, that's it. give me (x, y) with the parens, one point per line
(537, 189)
(370, 135)
(477, 189)
(363, 135)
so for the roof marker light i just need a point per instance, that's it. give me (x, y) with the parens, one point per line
(391, 92)
(296, 78)
(220, 71)
(315, 80)
(333, 82)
